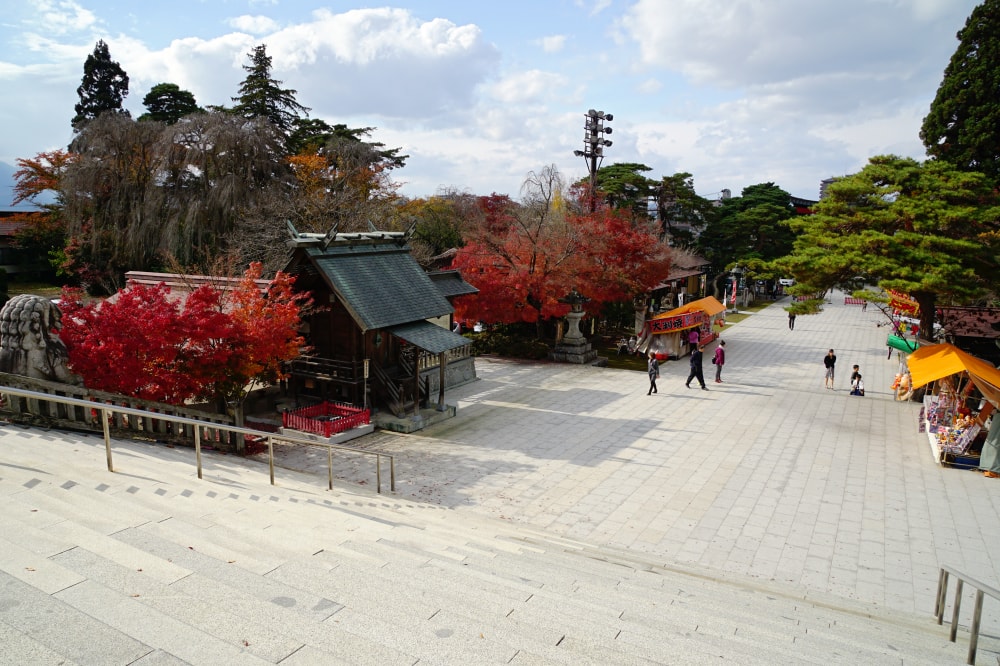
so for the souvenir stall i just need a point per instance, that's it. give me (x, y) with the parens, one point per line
(667, 334)
(962, 393)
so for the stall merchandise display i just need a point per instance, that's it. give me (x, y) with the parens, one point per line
(950, 426)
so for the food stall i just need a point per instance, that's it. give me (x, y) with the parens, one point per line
(666, 334)
(963, 391)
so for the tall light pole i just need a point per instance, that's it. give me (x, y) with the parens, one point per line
(593, 147)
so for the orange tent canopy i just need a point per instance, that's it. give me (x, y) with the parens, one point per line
(710, 305)
(933, 362)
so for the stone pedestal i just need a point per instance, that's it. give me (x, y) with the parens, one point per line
(579, 353)
(574, 348)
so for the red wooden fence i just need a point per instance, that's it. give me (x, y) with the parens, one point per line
(326, 419)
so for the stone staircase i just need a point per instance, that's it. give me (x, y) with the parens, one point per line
(151, 565)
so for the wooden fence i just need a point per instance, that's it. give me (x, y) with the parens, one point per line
(37, 412)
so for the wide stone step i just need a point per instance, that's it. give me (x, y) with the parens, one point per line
(165, 603)
(719, 614)
(188, 569)
(45, 625)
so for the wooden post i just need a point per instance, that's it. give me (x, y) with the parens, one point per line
(442, 362)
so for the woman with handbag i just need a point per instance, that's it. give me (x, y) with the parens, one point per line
(719, 360)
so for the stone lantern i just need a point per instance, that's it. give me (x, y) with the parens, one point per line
(574, 347)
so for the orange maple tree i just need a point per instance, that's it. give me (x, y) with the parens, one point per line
(40, 174)
(42, 231)
(264, 332)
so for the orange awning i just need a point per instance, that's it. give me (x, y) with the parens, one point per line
(933, 362)
(709, 305)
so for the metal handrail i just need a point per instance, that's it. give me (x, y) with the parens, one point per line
(197, 425)
(977, 611)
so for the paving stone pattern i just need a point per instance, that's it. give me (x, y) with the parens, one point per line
(562, 517)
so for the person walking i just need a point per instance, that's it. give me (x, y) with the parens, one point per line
(829, 361)
(653, 368)
(696, 369)
(719, 360)
(791, 321)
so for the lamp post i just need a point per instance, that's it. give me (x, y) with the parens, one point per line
(593, 147)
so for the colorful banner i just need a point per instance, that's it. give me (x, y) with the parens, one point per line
(677, 322)
(903, 303)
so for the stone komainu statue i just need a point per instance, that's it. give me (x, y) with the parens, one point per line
(29, 340)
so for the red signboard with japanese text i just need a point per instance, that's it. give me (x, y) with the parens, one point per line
(677, 322)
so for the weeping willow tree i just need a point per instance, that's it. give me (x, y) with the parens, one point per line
(138, 193)
(222, 170)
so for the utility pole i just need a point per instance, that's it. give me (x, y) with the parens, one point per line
(593, 147)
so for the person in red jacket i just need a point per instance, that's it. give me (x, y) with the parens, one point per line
(719, 360)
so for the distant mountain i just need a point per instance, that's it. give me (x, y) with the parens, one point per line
(7, 190)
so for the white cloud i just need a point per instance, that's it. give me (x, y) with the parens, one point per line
(524, 87)
(743, 43)
(255, 25)
(380, 62)
(61, 17)
(596, 6)
(383, 61)
(553, 43)
(650, 86)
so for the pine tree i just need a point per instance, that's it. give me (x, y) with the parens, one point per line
(963, 126)
(167, 103)
(263, 97)
(104, 86)
(926, 229)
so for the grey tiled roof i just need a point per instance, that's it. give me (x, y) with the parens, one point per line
(450, 283)
(429, 337)
(380, 284)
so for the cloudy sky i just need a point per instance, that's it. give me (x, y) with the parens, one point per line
(478, 94)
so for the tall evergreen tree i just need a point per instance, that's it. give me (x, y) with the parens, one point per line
(963, 126)
(681, 212)
(753, 226)
(104, 86)
(263, 97)
(167, 103)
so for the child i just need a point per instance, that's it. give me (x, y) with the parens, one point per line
(857, 385)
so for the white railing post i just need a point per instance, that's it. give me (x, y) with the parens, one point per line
(197, 448)
(107, 437)
(270, 457)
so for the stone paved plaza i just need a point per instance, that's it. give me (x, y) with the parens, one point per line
(768, 475)
(562, 517)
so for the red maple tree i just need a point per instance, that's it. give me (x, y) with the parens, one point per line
(143, 344)
(210, 345)
(523, 266)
